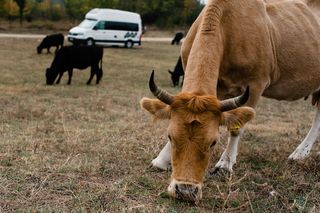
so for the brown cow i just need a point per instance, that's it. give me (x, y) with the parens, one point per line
(272, 47)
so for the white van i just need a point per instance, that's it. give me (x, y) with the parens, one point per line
(108, 27)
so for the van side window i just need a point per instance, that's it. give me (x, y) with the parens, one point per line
(123, 26)
(101, 25)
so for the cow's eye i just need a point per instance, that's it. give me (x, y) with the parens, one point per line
(213, 143)
(169, 137)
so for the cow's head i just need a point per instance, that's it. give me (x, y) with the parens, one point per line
(193, 131)
(39, 49)
(174, 77)
(51, 76)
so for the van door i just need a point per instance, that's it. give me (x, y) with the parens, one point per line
(122, 31)
(115, 31)
(101, 34)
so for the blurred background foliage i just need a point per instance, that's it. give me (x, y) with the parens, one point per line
(160, 13)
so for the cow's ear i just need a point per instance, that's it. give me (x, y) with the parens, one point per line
(156, 107)
(237, 118)
(170, 72)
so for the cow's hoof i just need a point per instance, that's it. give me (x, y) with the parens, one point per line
(161, 164)
(298, 155)
(218, 172)
(151, 168)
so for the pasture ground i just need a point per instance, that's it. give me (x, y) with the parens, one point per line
(86, 148)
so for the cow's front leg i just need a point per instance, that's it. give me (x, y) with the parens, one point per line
(303, 150)
(164, 158)
(92, 73)
(229, 156)
(70, 76)
(99, 75)
(59, 78)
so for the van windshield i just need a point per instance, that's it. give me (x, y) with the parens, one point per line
(87, 23)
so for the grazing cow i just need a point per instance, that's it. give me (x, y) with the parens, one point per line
(79, 57)
(177, 72)
(54, 40)
(244, 49)
(177, 38)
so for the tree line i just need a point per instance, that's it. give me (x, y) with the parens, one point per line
(162, 13)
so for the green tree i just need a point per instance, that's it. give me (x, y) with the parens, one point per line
(163, 13)
(103, 3)
(2, 10)
(10, 9)
(21, 4)
(191, 10)
(74, 8)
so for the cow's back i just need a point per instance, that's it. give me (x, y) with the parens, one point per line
(83, 56)
(297, 39)
(271, 43)
(52, 40)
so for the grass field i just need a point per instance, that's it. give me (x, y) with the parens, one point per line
(86, 148)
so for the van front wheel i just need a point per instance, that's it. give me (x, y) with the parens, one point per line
(129, 44)
(90, 42)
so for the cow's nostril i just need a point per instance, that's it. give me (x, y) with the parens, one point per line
(196, 190)
(177, 189)
(187, 192)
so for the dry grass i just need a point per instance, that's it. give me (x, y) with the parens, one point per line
(37, 26)
(87, 148)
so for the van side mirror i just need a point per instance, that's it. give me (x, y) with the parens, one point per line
(95, 28)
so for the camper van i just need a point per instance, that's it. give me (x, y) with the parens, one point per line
(108, 27)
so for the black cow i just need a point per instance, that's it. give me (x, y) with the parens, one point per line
(54, 40)
(177, 38)
(177, 72)
(79, 57)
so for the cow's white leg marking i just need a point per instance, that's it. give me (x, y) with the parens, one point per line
(304, 148)
(229, 156)
(164, 158)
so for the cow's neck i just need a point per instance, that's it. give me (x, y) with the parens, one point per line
(202, 70)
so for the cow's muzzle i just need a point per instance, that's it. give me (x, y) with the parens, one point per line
(185, 191)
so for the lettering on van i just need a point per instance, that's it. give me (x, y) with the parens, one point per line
(130, 35)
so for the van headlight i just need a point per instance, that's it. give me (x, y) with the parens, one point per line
(76, 34)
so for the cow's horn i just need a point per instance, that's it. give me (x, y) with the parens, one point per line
(233, 103)
(161, 94)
